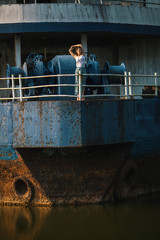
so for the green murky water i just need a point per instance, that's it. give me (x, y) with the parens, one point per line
(128, 220)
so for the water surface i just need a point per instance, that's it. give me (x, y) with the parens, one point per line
(136, 219)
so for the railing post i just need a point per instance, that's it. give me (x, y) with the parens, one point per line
(126, 85)
(130, 84)
(20, 87)
(80, 86)
(13, 87)
(156, 88)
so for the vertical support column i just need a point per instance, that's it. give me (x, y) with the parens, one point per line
(13, 86)
(130, 84)
(20, 88)
(84, 43)
(80, 86)
(126, 85)
(156, 88)
(17, 43)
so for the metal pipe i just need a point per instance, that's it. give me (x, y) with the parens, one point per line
(156, 88)
(126, 85)
(13, 93)
(130, 84)
(20, 88)
(80, 86)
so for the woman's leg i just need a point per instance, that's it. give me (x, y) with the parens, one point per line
(76, 82)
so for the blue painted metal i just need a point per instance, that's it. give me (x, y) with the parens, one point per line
(69, 123)
(7, 153)
(63, 64)
(108, 122)
(105, 79)
(16, 72)
(93, 67)
(147, 127)
(47, 124)
(73, 124)
(80, 27)
(6, 130)
(115, 69)
(36, 67)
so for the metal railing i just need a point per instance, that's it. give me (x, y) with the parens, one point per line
(131, 86)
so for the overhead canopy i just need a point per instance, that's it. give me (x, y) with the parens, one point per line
(20, 18)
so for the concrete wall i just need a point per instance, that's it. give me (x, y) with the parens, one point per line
(79, 13)
(123, 2)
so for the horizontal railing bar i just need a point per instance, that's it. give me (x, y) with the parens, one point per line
(146, 95)
(6, 78)
(56, 95)
(135, 75)
(46, 76)
(102, 74)
(53, 85)
(103, 95)
(68, 75)
(143, 85)
(8, 98)
(84, 85)
(5, 88)
(9, 88)
(73, 85)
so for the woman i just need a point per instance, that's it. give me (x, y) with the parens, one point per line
(78, 53)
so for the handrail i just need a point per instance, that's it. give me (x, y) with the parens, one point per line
(127, 86)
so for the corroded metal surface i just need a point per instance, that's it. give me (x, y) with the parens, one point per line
(10, 194)
(71, 123)
(77, 176)
(6, 123)
(43, 175)
(7, 153)
(47, 124)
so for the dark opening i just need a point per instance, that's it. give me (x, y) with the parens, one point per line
(20, 187)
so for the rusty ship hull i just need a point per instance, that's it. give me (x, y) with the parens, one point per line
(70, 152)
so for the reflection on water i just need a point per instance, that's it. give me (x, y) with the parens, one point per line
(131, 220)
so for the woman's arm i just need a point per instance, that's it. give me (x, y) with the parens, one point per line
(80, 45)
(76, 45)
(71, 51)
